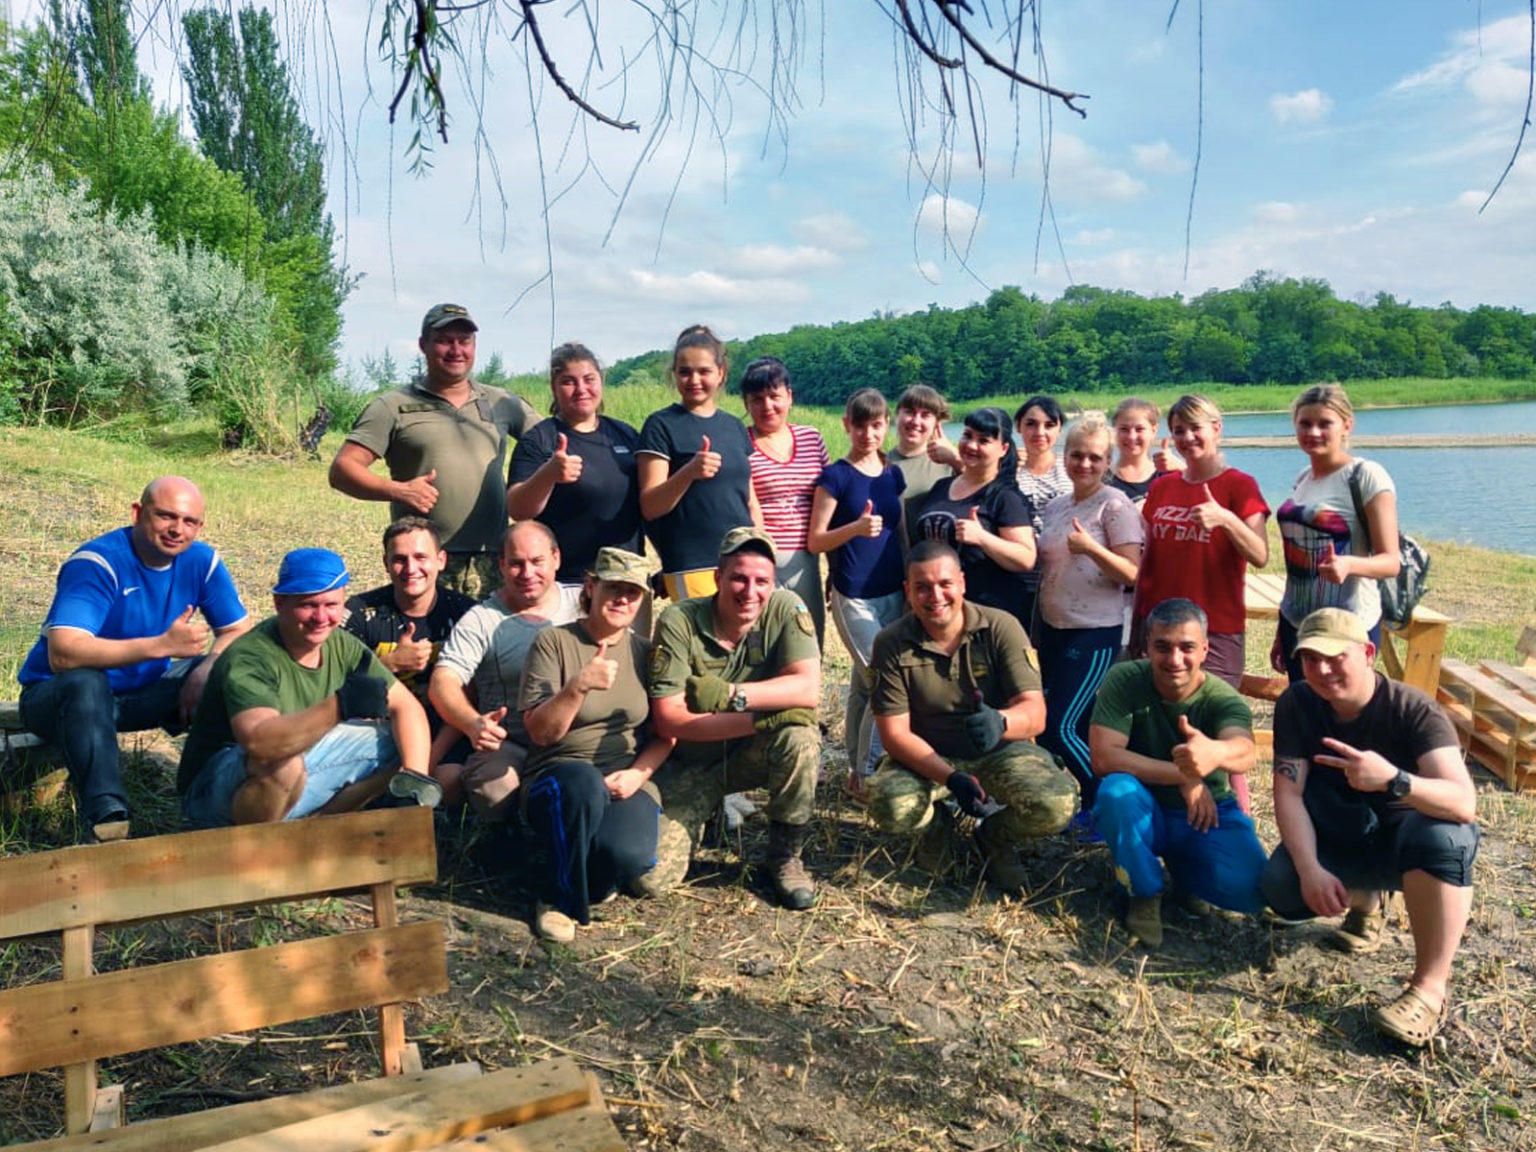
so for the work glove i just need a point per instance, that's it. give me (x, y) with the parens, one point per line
(362, 697)
(784, 718)
(968, 793)
(707, 694)
(984, 730)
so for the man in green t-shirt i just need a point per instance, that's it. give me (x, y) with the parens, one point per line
(735, 680)
(1164, 737)
(299, 717)
(957, 702)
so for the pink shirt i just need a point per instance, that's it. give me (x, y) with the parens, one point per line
(784, 487)
(1074, 591)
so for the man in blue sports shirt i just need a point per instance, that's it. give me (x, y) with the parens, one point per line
(122, 648)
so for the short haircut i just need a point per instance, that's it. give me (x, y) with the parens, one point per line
(866, 406)
(925, 551)
(535, 526)
(763, 375)
(924, 398)
(1194, 409)
(1174, 613)
(413, 524)
(1046, 404)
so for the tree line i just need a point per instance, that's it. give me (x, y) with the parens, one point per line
(142, 272)
(1270, 330)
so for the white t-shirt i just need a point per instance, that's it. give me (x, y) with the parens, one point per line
(1321, 512)
(1074, 591)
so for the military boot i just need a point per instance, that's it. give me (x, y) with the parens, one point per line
(1004, 869)
(791, 882)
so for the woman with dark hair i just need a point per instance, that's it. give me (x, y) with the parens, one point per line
(786, 460)
(575, 473)
(587, 792)
(983, 516)
(1041, 473)
(695, 479)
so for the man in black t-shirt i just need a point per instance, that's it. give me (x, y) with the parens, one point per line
(406, 621)
(1372, 794)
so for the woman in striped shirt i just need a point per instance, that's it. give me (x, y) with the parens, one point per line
(786, 461)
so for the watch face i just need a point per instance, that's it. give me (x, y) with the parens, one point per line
(1399, 786)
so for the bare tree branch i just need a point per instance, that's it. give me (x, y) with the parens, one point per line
(951, 9)
(1525, 120)
(531, 23)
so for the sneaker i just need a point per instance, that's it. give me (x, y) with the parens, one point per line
(1084, 830)
(553, 925)
(423, 790)
(1144, 920)
(114, 827)
(1360, 933)
(1003, 867)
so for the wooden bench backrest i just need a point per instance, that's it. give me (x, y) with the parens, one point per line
(86, 1016)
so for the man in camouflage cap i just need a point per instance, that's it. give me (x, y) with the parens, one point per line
(444, 440)
(957, 702)
(735, 680)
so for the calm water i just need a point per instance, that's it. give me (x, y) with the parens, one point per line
(1484, 496)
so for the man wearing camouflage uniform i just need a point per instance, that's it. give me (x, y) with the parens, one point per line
(957, 702)
(735, 680)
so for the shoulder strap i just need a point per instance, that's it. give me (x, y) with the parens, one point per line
(1354, 492)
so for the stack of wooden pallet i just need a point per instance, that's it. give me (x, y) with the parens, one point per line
(1494, 707)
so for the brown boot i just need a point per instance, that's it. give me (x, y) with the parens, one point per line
(1004, 868)
(791, 882)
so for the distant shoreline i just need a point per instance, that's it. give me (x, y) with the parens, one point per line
(1409, 440)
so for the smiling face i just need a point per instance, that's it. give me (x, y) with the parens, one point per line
(1321, 432)
(936, 593)
(1087, 463)
(1038, 432)
(578, 392)
(1346, 681)
(980, 454)
(697, 375)
(449, 353)
(1177, 653)
(768, 409)
(305, 621)
(528, 566)
(745, 580)
(1196, 440)
(413, 561)
(915, 429)
(1134, 433)
(166, 520)
(614, 605)
(867, 438)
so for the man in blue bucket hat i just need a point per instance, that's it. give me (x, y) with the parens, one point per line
(299, 717)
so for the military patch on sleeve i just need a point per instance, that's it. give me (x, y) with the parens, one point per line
(658, 663)
(1033, 657)
(804, 622)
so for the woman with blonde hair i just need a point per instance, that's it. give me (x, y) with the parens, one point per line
(1333, 557)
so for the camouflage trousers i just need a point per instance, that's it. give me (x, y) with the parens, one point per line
(476, 574)
(1040, 797)
(785, 762)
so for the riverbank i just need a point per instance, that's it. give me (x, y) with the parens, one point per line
(1506, 440)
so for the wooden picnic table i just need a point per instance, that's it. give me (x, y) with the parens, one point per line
(1411, 652)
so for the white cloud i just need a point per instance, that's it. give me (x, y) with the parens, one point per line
(1160, 158)
(1077, 170)
(1094, 236)
(930, 271)
(946, 215)
(835, 231)
(1308, 106)
(1490, 61)
(704, 288)
(756, 261)
(1276, 212)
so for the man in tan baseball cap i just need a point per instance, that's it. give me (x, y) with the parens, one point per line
(1372, 795)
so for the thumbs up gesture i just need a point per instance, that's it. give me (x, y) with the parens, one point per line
(1198, 756)
(420, 494)
(1331, 567)
(488, 732)
(1163, 459)
(410, 655)
(567, 467)
(705, 462)
(1079, 541)
(969, 528)
(1208, 513)
(871, 523)
(599, 673)
(186, 637)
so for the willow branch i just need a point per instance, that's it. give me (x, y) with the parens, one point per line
(530, 21)
(947, 10)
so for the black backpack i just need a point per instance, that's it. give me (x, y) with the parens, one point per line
(1401, 594)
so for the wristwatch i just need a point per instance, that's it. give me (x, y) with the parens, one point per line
(1398, 786)
(738, 699)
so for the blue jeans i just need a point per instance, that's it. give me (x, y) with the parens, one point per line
(1222, 866)
(346, 754)
(77, 712)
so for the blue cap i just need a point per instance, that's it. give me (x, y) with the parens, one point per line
(305, 571)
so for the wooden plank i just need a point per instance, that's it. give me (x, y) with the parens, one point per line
(1489, 691)
(1520, 680)
(1262, 594)
(79, 1079)
(588, 1129)
(67, 1021)
(197, 1130)
(161, 876)
(10, 716)
(435, 1116)
(391, 1016)
(1526, 646)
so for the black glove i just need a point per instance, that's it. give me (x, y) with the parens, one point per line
(362, 697)
(967, 791)
(984, 729)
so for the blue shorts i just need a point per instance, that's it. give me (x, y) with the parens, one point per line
(346, 754)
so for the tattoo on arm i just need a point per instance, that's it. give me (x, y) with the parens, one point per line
(1287, 769)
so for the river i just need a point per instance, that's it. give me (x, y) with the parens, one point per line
(1483, 496)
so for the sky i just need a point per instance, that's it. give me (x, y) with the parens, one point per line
(1350, 142)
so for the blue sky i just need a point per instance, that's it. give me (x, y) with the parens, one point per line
(1351, 142)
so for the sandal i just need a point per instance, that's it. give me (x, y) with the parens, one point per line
(1410, 1019)
(1361, 931)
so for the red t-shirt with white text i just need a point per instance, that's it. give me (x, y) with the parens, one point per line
(1183, 559)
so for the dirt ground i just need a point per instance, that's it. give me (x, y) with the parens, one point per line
(906, 1011)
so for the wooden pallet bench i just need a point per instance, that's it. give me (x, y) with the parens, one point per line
(29, 765)
(85, 1016)
(1494, 708)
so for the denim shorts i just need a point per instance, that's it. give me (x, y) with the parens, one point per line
(346, 754)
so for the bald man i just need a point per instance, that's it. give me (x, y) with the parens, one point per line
(123, 649)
